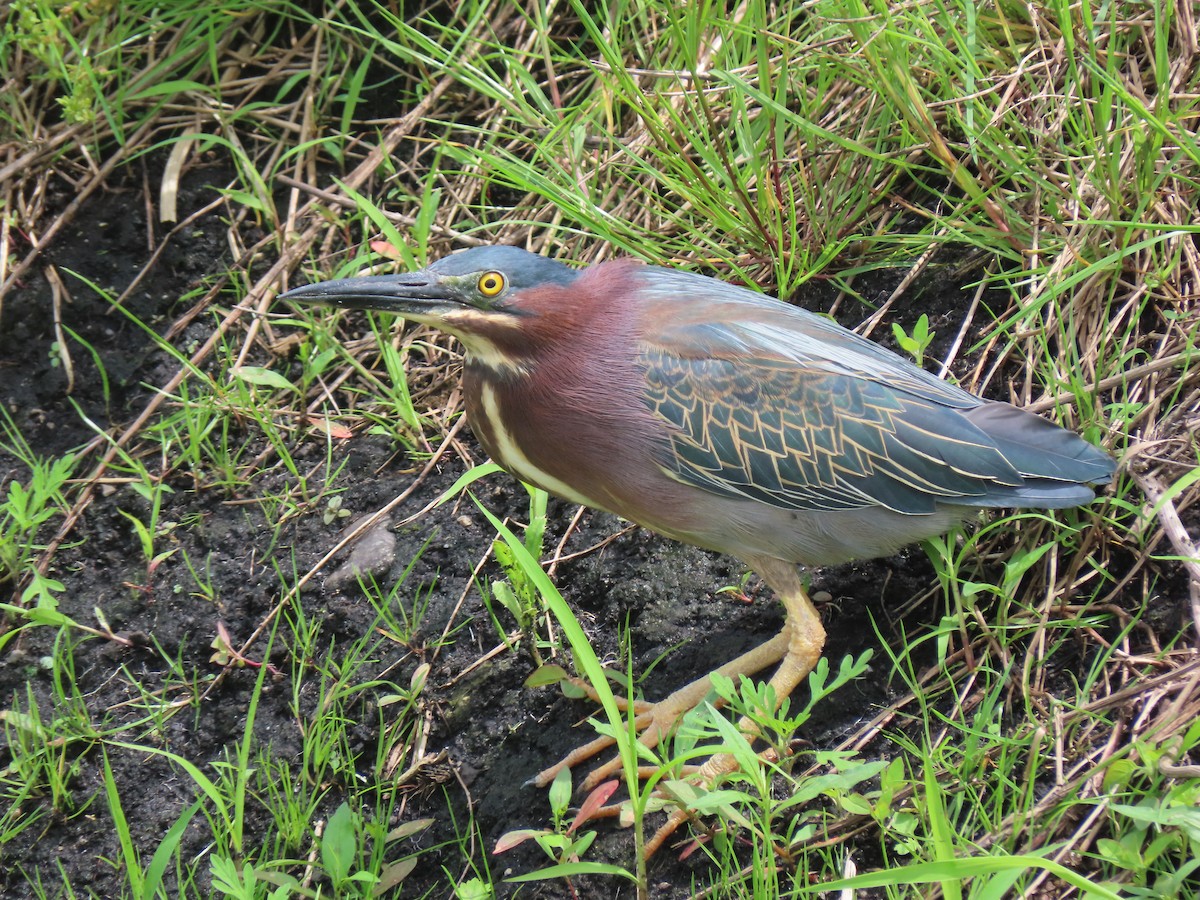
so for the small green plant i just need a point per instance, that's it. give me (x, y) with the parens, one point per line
(46, 751)
(334, 511)
(738, 590)
(79, 105)
(341, 853)
(1157, 841)
(1154, 834)
(397, 417)
(473, 889)
(563, 843)
(350, 856)
(148, 531)
(201, 438)
(401, 606)
(918, 342)
(28, 505)
(517, 593)
(145, 883)
(744, 798)
(205, 586)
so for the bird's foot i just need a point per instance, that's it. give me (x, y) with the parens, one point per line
(678, 794)
(704, 778)
(652, 722)
(795, 649)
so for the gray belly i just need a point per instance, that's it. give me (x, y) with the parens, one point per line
(748, 529)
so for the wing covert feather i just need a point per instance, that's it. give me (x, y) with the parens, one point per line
(799, 436)
(769, 402)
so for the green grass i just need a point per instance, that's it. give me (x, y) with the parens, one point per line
(1045, 736)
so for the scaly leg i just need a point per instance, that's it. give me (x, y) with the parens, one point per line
(796, 648)
(657, 719)
(805, 638)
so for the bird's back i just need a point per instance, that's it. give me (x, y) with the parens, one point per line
(770, 403)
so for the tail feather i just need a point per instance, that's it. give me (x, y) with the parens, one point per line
(1057, 465)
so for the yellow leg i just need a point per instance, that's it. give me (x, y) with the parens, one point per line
(796, 648)
(804, 638)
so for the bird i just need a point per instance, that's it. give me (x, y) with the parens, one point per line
(725, 418)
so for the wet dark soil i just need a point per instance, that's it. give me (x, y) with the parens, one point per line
(494, 733)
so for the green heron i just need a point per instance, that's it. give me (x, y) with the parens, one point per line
(723, 418)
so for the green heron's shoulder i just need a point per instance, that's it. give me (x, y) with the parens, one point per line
(694, 316)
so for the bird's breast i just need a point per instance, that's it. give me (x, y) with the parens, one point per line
(502, 428)
(577, 429)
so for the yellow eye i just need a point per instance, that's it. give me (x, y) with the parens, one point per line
(491, 284)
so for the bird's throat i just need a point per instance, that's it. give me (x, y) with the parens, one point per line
(488, 422)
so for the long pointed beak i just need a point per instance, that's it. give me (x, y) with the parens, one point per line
(413, 295)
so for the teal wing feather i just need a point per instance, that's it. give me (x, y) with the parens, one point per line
(802, 438)
(774, 404)
(771, 403)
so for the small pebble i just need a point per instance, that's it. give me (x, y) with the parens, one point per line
(372, 556)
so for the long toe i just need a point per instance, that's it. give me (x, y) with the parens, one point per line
(577, 756)
(715, 768)
(655, 720)
(652, 723)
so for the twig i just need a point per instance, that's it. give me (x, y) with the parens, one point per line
(58, 292)
(1163, 507)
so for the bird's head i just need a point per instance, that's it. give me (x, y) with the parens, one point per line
(490, 298)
